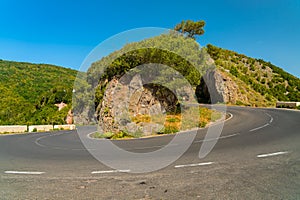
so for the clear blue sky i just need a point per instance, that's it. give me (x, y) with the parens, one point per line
(64, 32)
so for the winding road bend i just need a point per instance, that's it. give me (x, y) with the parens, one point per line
(257, 156)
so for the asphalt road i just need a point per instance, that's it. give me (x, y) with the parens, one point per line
(257, 156)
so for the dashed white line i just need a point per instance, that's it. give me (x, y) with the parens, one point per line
(111, 171)
(37, 141)
(194, 165)
(263, 126)
(272, 154)
(24, 172)
(222, 137)
(255, 129)
(271, 118)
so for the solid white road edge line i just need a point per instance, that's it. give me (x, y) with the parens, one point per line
(272, 154)
(194, 165)
(23, 172)
(111, 171)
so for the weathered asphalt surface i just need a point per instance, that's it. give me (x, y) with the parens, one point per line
(236, 171)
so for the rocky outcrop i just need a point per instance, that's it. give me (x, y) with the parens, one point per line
(217, 87)
(69, 119)
(124, 103)
(129, 105)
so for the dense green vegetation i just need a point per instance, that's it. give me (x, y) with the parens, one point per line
(28, 93)
(174, 50)
(270, 81)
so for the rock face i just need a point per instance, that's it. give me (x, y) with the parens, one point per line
(216, 87)
(130, 105)
(69, 119)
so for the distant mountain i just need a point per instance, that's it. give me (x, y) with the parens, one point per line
(259, 83)
(29, 92)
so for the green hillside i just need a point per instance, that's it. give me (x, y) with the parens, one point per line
(171, 49)
(259, 83)
(270, 82)
(28, 93)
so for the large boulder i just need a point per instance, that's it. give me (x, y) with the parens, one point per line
(217, 87)
(130, 105)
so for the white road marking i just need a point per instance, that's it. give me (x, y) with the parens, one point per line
(24, 172)
(272, 154)
(194, 165)
(263, 126)
(37, 141)
(111, 171)
(271, 118)
(222, 137)
(151, 147)
(255, 129)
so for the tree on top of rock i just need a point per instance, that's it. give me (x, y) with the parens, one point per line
(190, 28)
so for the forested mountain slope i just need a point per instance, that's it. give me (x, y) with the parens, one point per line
(29, 92)
(269, 82)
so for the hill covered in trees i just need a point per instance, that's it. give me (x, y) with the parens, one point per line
(266, 82)
(259, 83)
(29, 92)
(179, 53)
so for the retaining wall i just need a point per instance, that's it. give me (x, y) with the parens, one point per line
(13, 129)
(288, 104)
(65, 127)
(40, 128)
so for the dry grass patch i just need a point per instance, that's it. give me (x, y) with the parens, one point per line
(189, 118)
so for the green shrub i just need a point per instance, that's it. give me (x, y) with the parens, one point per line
(234, 71)
(121, 134)
(202, 124)
(239, 103)
(172, 120)
(107, 135)
(170, 130)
